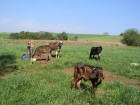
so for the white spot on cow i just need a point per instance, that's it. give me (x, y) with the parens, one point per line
(94, 68)
(61, 42)
(33, 59)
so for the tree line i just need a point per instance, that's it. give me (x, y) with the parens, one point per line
(39, 35)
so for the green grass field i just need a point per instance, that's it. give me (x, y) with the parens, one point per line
(48, 83)
(96, 38)
(4, 35)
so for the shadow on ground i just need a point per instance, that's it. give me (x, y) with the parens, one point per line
(7, 64)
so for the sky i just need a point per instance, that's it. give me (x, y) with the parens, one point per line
(70, 16)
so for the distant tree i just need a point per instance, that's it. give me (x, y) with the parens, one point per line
(131, 37)
(121, 34)
(48, 36)
(75, 38)
(62, 36)
(22, 35)
(14, 36)
(30, 35)
(105, 33)
(34, 35)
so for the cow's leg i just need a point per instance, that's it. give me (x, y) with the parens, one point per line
(90, 56)
(56, 54)
(50, 56)
(99, 56)
(40, 57)
(93, 86)
(78, 85)
(99, 81)
(93, 56)
(75, 82)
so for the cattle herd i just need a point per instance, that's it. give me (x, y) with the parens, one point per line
(81, 71)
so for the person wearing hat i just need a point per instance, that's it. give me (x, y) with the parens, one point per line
(30, 48)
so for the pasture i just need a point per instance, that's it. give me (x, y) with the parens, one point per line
(48, 82)
(96, 38)
(4, 35)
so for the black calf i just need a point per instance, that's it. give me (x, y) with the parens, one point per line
(95, 51)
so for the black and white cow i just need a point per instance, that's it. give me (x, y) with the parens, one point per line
(95, 51)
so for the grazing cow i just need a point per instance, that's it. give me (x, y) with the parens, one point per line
(87, 72)
(39, 51)
(55, 46)
(95, 51)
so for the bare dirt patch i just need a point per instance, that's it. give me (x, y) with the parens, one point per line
(1, 74)
(65, 42)
(110, 77)
(42, 63)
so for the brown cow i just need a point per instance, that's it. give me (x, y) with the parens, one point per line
(87, 72)
(39, 51)
(56, 46)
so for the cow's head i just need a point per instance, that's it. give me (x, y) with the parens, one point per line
(60, 44)
(98, 71)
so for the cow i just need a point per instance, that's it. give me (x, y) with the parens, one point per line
(55, 46)
(39, 51)
(87, 72)
(95, 51)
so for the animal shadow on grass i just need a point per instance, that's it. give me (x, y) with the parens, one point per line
(95, 58)
(85, 87)
(7, 64)
(85, 90)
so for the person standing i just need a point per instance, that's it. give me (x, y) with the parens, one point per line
(30, 48)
